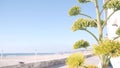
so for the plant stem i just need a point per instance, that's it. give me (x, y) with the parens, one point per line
(100, 30)
(91, 34)
(116, 37)
(105, 61)
(101, 11)
(85, 15)
(107, 19)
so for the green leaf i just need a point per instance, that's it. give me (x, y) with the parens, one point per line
(118, 31)
(80, 44)
(75, 10)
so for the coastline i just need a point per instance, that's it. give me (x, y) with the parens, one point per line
(14, 60)
(34, 61)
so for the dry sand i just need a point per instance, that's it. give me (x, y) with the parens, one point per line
(14, 60)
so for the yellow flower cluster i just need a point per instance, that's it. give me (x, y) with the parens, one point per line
(75, 60)
(107, 47)
(75, 10)
(91, 66)
(80, 44)
(83, 23)
(84, 1)
(112, 4)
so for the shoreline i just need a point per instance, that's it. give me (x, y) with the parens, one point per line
(34, 61)
(14, 60)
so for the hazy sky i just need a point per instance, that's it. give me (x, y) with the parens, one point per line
(26, 25)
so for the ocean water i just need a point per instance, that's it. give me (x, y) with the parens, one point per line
(32, 54)
(24, 54)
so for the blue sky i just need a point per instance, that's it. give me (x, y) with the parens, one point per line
(26, 25)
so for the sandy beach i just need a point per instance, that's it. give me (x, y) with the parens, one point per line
(16, 60)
